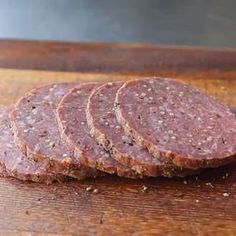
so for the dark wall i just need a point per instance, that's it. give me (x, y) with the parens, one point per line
(188, 22)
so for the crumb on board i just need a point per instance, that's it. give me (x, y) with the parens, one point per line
(225, 176)
(95, 190)
(210, 184)
(185, 182)
(226, 194)
(197, 201)
(27, 212)
(144, 188)
(90, 188)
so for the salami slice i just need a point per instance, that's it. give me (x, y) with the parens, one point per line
(72, 116)
(14, 163)
(37, 132)
(177, 122)
(109, 133)
(3, 172)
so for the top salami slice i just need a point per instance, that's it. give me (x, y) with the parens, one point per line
(109, 133)
(177, 122)
(37, 132)
(72, 116)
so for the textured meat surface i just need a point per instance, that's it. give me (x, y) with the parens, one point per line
(177, 122)
(13, 162)
(3, 172)
(37, 132)
(109, 133)
(72, 116)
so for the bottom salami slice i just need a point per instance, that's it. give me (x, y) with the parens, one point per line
(177, 122)
(108, 132)
(72, 117)
(14, 163)
(37, 133)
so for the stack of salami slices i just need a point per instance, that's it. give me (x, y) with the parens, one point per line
(142, 128)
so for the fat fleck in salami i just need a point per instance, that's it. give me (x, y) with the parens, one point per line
(13, 162)
(109, 133)
(37, 132)
(72, 116)
(177, 122)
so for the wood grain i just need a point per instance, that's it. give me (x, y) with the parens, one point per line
(170, 206)
(191, 206)
(110, 58)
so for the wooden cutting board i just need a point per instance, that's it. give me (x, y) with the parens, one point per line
(205, 205)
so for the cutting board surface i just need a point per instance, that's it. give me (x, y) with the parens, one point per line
(191, 206)
(172, 206)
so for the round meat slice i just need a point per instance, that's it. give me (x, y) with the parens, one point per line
(177, 122)
(14, 163)
(37, 132)
(110, 134)
(72, 116)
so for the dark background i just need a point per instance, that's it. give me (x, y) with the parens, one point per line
(181, 22)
